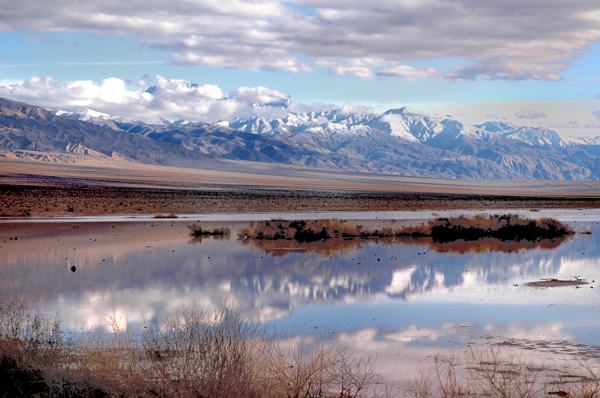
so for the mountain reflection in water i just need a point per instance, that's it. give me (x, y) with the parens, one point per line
(417, 292)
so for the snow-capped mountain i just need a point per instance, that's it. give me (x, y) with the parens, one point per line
(399, 141)
(404, 123)
(584, 141)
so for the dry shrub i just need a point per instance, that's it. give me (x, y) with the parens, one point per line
(219, 355)
(289, 369)
(502, 227)
(169, 215)
(197, 231)
(301, 230)
(35, 358)
(114, 361)
(29, 335)
(196, 353)
(505, 228)
(490, 372)
(458, 234)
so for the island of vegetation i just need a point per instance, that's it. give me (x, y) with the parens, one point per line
(441, 230)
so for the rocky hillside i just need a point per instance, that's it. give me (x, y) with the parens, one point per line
(398, 141)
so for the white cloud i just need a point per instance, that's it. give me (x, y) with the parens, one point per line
(358, 67)
(259, 95)
(362, 72)
(530, 114)
(509, 39)
(152, 100)
(160, 98)
(174, 88)
(569, 118)
(409, 72)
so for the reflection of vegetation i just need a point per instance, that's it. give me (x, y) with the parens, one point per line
(338, 245)
(193, 354)
(490, 245)
(327, 247)
(505, 228)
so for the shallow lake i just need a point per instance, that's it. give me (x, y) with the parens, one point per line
(402, 302)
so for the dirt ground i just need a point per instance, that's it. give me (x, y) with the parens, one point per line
(29, 188)
(85, 200)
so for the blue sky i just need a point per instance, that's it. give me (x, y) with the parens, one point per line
(82, 55)
(327, 51)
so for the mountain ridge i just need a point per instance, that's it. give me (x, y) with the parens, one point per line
(399, 141)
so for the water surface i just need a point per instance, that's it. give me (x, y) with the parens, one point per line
(400, 302)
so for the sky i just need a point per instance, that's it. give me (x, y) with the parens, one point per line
(532, 63)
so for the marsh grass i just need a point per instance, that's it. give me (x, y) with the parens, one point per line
(196, 353)
(492, 372)
(197, 231)
(169, 215)
(201, 353)
(440, 230)
(502, 227)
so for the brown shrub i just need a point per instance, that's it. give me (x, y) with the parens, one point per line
(501, 227)
(192, 354)
(170, 215)
(492, 372)
(197, 231)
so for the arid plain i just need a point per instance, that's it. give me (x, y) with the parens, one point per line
(40, 188)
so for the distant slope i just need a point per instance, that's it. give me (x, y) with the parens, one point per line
(399, 141)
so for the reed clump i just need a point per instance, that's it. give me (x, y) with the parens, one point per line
(201, 353)
(494, 372)
(194, 353)
(501, 227)
(198, 231)
(169, 215)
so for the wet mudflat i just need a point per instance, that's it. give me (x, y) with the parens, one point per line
(400, 301)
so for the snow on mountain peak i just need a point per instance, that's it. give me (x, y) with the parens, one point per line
(395, 142)
(404, 123)
(397, 126)
(583, 141)
(92, 114)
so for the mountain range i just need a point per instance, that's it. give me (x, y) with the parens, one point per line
(399, 141)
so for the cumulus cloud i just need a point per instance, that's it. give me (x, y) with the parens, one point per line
(260, 96)
(509, 39)
(530, 114)
(153, 100)
(357, 67)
